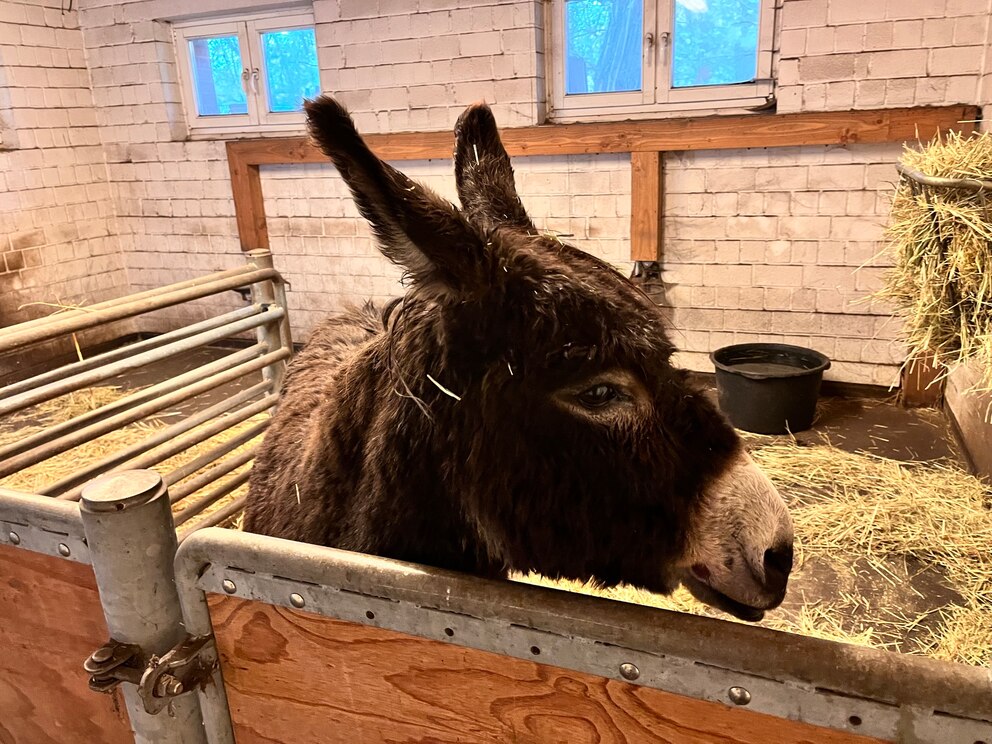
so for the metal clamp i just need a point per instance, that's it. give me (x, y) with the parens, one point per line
(159, 678)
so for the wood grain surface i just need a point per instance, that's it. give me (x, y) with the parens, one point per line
(298, 678)
(691, 133)
(646, 205)
(50, 621)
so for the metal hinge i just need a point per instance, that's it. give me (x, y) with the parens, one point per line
(158, 678)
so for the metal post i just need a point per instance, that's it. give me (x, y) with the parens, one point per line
(128, 523)
(269, 292)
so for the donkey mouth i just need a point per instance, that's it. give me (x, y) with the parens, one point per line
(708, 595)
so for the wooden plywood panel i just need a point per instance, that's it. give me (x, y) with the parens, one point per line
(972, 412)
(646, 207)
(299, 678)
(50, 621)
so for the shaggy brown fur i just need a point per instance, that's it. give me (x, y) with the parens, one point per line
(517, 412)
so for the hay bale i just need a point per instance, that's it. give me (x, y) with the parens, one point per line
(941, 242)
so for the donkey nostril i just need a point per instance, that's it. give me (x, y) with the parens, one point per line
(778, 564)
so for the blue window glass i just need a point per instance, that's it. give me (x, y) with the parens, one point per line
(217, 83)
(291, 72)
(603, 45)
(715, 42)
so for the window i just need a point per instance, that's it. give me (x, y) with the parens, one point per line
(247, 73)
(641, 56)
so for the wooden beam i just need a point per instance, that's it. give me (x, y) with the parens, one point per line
(651, 135)
(249, 204)
(646, 205)
(920, 385)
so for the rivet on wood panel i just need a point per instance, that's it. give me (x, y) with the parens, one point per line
(739, 696)
(64, 550)
(629, 671)
(229, 586)
(296, 600)
(15, 539)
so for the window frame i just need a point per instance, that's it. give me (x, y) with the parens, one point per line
(249, 29)
(657, 95)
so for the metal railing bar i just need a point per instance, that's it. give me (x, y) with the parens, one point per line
(93, 431)
(968, 184)
(201, 461)
(153, 393)
(175, 439)
(79, 320)
(181, 491)
(86, 379)
(219, 516)
(138, 296)
(198, 505)
(128, 350)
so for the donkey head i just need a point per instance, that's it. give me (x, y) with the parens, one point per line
(565, 438)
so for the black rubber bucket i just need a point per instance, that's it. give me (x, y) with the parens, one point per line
(769, 388)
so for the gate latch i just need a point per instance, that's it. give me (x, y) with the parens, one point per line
(158, 678)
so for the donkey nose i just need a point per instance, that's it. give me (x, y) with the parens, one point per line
(778, 564)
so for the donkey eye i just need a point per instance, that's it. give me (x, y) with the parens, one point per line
(598, 396)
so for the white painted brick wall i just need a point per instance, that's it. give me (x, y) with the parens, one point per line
(759, 243)
(894, 53)
(58, 239)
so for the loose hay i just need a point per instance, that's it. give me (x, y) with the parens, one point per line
(941, 242)
(855, 514)
(860, 515)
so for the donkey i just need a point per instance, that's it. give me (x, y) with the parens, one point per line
(517, 410)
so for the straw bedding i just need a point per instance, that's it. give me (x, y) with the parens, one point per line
(940, 240)
(891, 555)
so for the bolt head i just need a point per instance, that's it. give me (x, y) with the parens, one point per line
(229, 586)
(739, 696)
(64, 550)
(629, 671)
(175, 687)
(102, 654)
(15, 539)
(296, 600)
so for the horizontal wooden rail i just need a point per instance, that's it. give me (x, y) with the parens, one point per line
(650, 136)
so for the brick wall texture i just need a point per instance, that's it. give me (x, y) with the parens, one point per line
(767, 244)
(58, 238)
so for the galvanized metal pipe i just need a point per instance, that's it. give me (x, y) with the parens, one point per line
(968, 184)
(146, 294)
(264, 293)
(71, 322)
(175, 439)
(180, 491)
(64, 371)
(88, 433)
(128, 524)
(217, 517)
(145, 402)
(85, 379)
(188, 468)
(196, 616)
(198, 505)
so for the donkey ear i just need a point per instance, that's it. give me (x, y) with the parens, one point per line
(483, 173)
(415, 227)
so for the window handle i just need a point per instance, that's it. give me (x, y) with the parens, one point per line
(254, 80)
(649, 39)
(665, 38)
(244, 80)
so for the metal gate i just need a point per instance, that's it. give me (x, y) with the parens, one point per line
(214, 635)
